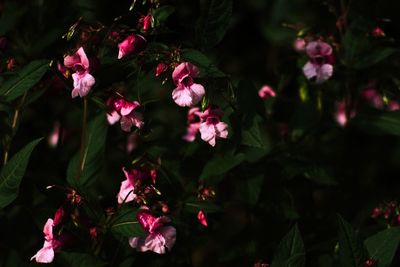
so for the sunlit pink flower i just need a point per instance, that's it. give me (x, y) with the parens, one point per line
(78, 61)
(159, 237)
(193, 124)
(373, 97)
(187, 93)
(321, 60)
(123, 111)
(202, 218)
(341, 114)
(82, 84)
(126, 191)
(266, 92)
(161, 68)
(299, 44)
(212, 127)
(46, 253)
(147, 23)
(54, 136)
(132, 43)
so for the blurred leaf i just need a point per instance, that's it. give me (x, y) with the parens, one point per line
(375, 57)
(162, 13)
(196, 205)
(68, 259)
(23, 80)
(126, 223)
(12, 173)
(10, 14)
(253, 136)
(206, 66)
(383, 246)
(93, 154)
(251, 188)
(351, 250)
(213, 22)
(249, 101)
(290, 252)
(380, 122)
(216, 167)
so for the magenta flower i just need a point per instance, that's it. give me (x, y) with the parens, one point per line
(202, 218)
(187, 93)
(132, 43)
(123, 111)
(193, 124)
(147, 23)
(393, 105)
(46, 253)
(341, 115)
(266, 92)
(320, 65)
(126, 191)
(159, 237)
(373, 97)
(212, 127)
(83, 81)
(161, 68)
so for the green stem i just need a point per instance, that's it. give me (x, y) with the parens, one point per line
(83, 141)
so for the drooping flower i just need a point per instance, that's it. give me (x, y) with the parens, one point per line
(212, 127)
(78, 61)
(132, 43)
(266, 92)
(341, 114)
(54, 136)
(299, 44)
(123, 111)
(187, 93)
(46, 253)
(147, 23)
(193, 119)
(319, 67)
(159, 237)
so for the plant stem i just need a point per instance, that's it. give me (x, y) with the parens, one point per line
(13, 126)
(83, 139)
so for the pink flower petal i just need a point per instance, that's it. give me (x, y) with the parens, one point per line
(202, 218)
(324, 73)
(266, 92)
(113, 117)
(82, 84)
(126, 192)
(310, 70)
(318, 49)
(45, 254)
(48, 229)
(191, 132)
(83, 58)
(128, 107)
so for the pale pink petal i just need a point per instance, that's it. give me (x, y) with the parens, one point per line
(324, 72)
(179, 72)
(318, 48)
(82, 83)
(340, 114)
(126, 192)
(154, 242)
(83, 58)
(393, 105)
(266, 92)
(310, 70)
(48, 229)
(45, 254)
(197, 93)
(75, 92)
(207, 132)
(135, 242)
(113, 117)
(70, 61)
(54, 135)
(221, 129)
(182, 97)
(169, 234)
(128, 107)
(191, 132)
(126, 124)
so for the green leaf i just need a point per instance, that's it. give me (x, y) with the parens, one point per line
(352, 252)
(93, 154)
(78, 260)
(206, 66)
(12, 173)
(251, 188)
(213, 22)
(290, 252)
(162, 13)
(126, 223)
(253, 136)
(10, 15)
(196, 205)
(380, 122)
(23, 80)
(383, 246)
(220, 165)
(374, 57)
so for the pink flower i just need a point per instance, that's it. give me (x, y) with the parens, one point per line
(82, 84)
(126, 191)
(393, 105)
(132, 43)
(159, 237)
(373, 97)
(161, 68)
(46, 253)
(58, 216)
(266, 92)
(341, 114)
(147, 23)
(54, 136)
(299, 44)
(78, 61)
(378, 32)
(320, 64)
(212, 127)
(187, 93)
(193, 124)
(202, 218)
(123, 111)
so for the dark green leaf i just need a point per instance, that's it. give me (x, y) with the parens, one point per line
(374, 57)
(23, 80)
(68, 259)
(93, 154)
(213, 22)
(352, 252)
(196, 205)
(12, 173)
(251, 188)
(380, 123)
(162, 13)
(126, 223)
(207, 68)
(253, 136)
(383, 246)
(220, 165)
(290, 252)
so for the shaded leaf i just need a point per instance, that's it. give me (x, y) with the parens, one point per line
(126, 223)
(206, 66)
(78, 260)
(12, 173)
(220, 165)
(290, 252)
(383, 246)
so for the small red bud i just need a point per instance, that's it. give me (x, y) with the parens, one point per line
(161, 68)
(376, 212)
(370, 263)
(378, 32)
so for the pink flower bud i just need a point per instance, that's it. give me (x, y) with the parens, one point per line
(132, 44)
(147, 23)
(10, 64)
(266, 92)
(202, 218)
(59, 216)
(377, 32)
(161, 68)
(370, 263)
(376, 212)
(94, 232)
(299, 44)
